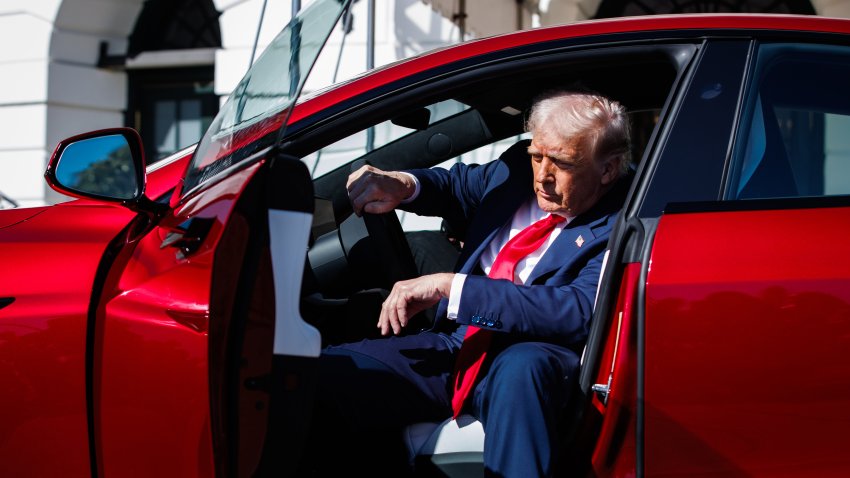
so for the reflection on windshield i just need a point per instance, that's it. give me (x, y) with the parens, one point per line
(255, 108)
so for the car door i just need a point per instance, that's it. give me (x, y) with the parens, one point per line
(685, 162)
(172, 310)
(747, 298)
(50, 257)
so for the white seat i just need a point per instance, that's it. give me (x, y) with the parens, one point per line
(456, 447)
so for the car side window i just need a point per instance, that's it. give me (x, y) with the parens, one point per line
(793, 139)
(695, 145)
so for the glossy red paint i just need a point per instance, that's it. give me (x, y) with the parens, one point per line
(151, 357)
(616, 445)
(55, 255)
(747, 332)
(164, 175)
(719, 381)
(10, 217)
(43, 332)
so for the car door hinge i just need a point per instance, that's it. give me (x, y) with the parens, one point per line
(604, 389)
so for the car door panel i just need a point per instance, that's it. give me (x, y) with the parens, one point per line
(157, 307)
(746, 336)
(43, 335)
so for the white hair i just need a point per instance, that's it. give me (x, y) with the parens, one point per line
(600, 124)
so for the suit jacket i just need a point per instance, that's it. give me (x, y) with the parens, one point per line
(557, 303)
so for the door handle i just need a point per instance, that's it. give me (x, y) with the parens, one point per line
(197, 320)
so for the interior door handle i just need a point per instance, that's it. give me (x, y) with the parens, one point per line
(189, 235)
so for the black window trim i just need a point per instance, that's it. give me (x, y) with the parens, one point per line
(766, 204)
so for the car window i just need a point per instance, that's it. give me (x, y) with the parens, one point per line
(252, 115)
(475, 115)
(695, 147)
(351, 149)
(793, 136)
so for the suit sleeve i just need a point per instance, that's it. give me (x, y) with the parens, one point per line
(557, 311)
(452, 194)
(456, 193)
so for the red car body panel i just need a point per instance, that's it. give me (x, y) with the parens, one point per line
(43, 337)
(729, 314)
(615, 449)
(151, 357)
(10, 217)
(54, 253)
(747, 332)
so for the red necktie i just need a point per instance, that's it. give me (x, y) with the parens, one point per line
(476, 341)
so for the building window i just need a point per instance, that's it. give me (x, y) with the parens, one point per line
(171, 103)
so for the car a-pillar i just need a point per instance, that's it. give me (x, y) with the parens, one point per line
(297, 344)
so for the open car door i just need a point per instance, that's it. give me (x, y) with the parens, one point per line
(173, 391)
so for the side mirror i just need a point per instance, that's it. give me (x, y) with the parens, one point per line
(107, 165)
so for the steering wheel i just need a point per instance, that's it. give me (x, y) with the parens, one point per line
(391, 245)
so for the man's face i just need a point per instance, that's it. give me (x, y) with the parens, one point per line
(565, 182)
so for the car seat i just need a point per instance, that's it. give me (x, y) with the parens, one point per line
(454, 447)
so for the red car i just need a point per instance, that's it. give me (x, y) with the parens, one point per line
(168, 322)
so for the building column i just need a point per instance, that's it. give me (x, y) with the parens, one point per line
(52, 87)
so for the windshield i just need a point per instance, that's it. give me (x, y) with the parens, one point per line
(258, 106)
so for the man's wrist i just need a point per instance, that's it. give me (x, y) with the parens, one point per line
(412, 185)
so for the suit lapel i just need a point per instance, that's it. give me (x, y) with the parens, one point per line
(567, 245)
(500, 204)
(506, 204)
(573, 240)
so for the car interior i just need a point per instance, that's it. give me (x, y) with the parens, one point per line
(353, 261)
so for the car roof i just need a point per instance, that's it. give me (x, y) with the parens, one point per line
(695, 24)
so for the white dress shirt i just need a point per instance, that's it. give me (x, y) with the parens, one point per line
(527, 214)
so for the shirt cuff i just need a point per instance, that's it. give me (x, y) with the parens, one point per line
(415, 190)
(454, 296)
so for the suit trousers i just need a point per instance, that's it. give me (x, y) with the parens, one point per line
(370, 390)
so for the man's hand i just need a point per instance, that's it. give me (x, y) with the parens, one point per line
(410, 297)
(375, 191)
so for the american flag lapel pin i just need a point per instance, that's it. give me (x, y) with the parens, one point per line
(579, 241)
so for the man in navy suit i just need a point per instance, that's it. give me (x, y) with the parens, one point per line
(539, 320)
